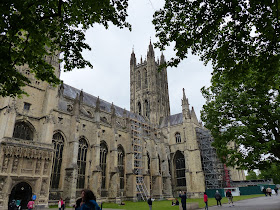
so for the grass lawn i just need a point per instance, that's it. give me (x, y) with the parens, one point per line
(166, 205)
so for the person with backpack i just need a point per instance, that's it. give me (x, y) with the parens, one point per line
(89, 201)
(218, 198)
(230, 197)
(30, 204)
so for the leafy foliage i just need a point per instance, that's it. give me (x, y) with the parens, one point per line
(241, 40)
(272, 172)
(32, 30)
(252, 176)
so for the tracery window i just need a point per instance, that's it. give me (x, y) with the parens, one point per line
(178, 137)
(81, 162)
(103, 159)
(58, 145)
(121, 166)
(149, 163)
(147, 109)
(139, 80)
(145, 78)
(23, 131)
(159, 165)
(139, 108)
(180, 169)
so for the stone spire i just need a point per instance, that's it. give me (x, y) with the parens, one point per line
(132, 58)
(113, 110)
(185, 106)
(97, 106)
(81, 98)
(193, 116)
(162, 59)
(151, 50)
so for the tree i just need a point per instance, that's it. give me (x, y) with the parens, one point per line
(271, 173)
(252, 175)
(241, 40)
(32, 30)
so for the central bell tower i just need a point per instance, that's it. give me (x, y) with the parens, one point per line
(149, 87)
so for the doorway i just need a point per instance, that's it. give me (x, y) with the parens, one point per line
(23, 192)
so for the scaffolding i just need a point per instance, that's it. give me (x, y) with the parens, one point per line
(216, 174)
(136, 135)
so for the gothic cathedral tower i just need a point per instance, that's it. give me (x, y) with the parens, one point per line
(149, 88)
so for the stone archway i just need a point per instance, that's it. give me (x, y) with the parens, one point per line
(21, 191)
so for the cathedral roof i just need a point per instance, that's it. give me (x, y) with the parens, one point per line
(173, 119)
(90, 100)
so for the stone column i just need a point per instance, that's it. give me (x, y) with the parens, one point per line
(71, 172)
(7, 120)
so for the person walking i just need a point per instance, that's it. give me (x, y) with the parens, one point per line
(230, 197)
(218, 198)
(150, 202)
(206, 200)
(183, 200)
(276, 190)
(60, 204)
(30, 204)
(268, 191)
(264, 191)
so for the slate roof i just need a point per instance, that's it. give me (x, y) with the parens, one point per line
(90, 100)
(173, 119)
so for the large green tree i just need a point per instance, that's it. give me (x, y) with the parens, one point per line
(241, 39)
(271, 173)
(30, 30)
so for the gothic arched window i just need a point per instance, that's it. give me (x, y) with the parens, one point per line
(179, 160)
(81, 162)
(103, 159)
(58, 145)
(139, 108)
(139, 80)
(145, 78)
(121, 166)
(149, 163)
(159, 165)
(147, 109)
(178, 137)
(23, 131)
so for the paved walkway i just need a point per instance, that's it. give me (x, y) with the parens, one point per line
(260, 203)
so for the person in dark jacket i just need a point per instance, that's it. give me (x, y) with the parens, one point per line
(218, 198)
(230, 197)
(183, 200)
(150, 202)
(264, 191)
(89, 201)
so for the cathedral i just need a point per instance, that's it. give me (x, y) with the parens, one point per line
(59, 140)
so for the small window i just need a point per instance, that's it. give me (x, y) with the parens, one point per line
(178, 137)
(26, 106)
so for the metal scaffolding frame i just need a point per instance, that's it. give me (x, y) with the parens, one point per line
(216, 174)
(136, 135)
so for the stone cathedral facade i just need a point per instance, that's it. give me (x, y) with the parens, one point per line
(59, 140)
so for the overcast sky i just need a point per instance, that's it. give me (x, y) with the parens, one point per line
(110, 57)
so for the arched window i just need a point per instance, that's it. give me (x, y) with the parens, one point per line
(179, 160)
(81, 162)
(147, 109)
(139, 80)
(149, 163)
(139, 108)
(103, 158)
(178, 137)
(121, 166)
(145, 78)
(159, 165)
(23, 131)
(58, 145)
